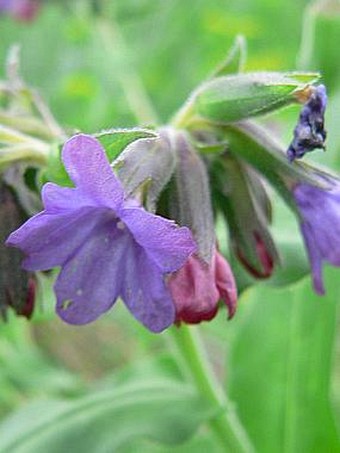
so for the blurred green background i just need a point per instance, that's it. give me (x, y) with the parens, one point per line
(279, 357)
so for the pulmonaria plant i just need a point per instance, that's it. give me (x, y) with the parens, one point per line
(211, 160)
(106, 245)
(320, 226)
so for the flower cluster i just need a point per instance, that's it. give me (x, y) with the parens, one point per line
(108, 246)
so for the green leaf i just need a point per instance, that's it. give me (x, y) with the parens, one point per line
(55, 170)
(293, 262)
(115, 140)
(107, 420)
(280, 367)
(236, 97)
(320, 35)
(235, 60)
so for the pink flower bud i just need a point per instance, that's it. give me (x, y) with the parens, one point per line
(198, 286)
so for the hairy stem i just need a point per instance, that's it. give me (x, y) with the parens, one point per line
(225, 423)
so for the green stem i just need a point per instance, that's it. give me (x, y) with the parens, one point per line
(225, 423)
(133, 88)
(184, 116)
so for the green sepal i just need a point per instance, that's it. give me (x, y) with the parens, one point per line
(235, 60)
(236, 97)
(241, 198)
(146, 166)
(115, 140)
(55, 170)
(190, 201)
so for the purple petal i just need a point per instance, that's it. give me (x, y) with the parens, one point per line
(168, 245)
(50, 239)
(5, 5)
(91, 280)
(144, 291)
(56, 198)
(89, 168)
(314, 258)
(323, 224)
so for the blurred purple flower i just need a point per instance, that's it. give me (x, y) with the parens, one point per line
(320, 226)
(309, 133)
(106, 246)
(25, 10)
(198, 286)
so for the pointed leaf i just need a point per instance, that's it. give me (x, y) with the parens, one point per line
(192, 203)
(280, 367)
(148, 165)
(246, 215)
(235, 60)
(115, 140)
(107, 420)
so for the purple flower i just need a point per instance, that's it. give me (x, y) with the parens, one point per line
(320, 226)
(106, 246)
(25, 10)
(309, 133)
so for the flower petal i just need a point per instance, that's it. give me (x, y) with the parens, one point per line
(168, 245)
(314, 258)
(144, 291)
(225, 283)
(89, 168)
(90, 282)
(49, 240)
(194, 291)
(56, 198)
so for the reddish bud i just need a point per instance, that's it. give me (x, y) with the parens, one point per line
(264, 257)
(197, 288)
